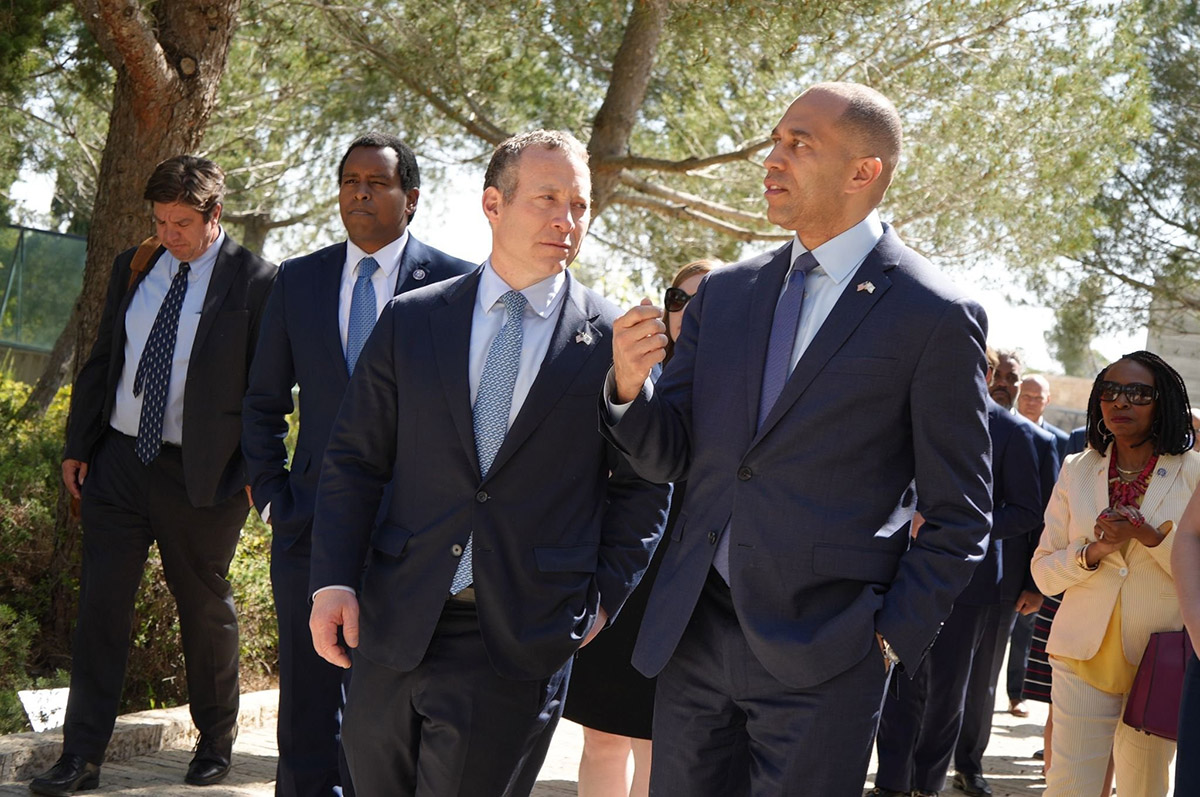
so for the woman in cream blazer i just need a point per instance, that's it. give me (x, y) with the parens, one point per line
(1115, 573)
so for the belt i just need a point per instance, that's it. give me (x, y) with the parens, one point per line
(466, 596)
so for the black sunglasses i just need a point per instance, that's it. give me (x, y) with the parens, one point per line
(675, 299)
(1137, 393)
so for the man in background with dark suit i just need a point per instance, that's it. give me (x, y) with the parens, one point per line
(154, 454)
(321, 311)
(811, 389)
(1032, 402)
(511, 533)
(944, 712)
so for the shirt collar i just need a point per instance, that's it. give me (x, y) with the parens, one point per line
(544, 297)
(841, 255)
(388, 256)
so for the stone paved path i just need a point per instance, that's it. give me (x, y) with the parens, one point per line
(1011, 769)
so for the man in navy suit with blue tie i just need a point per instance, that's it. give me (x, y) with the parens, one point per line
(814, 391)
(319, 315)
(512, 531)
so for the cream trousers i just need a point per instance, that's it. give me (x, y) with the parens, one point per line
(1087, 726)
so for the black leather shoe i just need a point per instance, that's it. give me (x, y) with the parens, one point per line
(882, 792)
(973, 785)
(211, 763)
(70, 774)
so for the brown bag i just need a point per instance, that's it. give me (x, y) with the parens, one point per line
(141, 259)
(1153, 704)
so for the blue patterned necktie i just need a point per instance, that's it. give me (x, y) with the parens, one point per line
(153, 375)
(778, 366)
(493, 402)
(362, 312)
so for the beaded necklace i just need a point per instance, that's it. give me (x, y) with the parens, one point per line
(1128, 493)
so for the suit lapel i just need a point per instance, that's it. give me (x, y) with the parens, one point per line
(118, 351)
(768, 282)
(414, 266)
(450, 326)
(327, 289)
(851, 308)
(575, 339)
(1165, 473)
(225, 270)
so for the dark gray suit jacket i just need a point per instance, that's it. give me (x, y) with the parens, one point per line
(889, 393)
(217, 372)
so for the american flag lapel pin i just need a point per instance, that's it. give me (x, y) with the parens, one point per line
(584, 337)
(867, 286)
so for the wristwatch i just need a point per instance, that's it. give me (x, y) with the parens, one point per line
(1081, 558)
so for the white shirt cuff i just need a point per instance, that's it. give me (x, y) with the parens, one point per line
(617, 411)
(266, 513)
(351, 590)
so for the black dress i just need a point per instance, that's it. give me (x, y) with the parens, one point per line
(606, 693)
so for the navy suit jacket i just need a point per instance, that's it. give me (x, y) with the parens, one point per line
(1019, 496)
(889, 393)
(554, 534)
(1076, 441)
(300, 344)
(220, 361)
(1061, 439)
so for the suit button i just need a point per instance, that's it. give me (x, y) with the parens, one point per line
(712, 538)
(481, 496)
(456, 549)
(745, 473)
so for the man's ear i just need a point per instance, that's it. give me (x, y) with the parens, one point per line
(410, 200)
(866, 174)
(492, 201)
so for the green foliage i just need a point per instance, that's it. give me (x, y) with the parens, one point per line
(1147, 241)
(34, 633)
(1016, 110)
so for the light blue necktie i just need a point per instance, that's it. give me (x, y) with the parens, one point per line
(362, 312)
(153, 375)
(493, 401)
(778, 366)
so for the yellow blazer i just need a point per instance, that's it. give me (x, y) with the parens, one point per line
(1142, 577)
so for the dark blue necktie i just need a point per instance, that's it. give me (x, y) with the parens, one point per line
(783, 335)
(153, 375)
(362, 312)
(493, 403)
(778, 366)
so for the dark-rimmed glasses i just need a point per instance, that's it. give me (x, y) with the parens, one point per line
(675, 299)
(1136, 392)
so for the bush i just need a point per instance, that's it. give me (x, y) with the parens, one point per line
(39, 580)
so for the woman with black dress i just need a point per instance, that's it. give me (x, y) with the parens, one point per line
(611, 700)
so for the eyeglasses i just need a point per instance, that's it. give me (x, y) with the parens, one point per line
(675, 299)
(1136, 393)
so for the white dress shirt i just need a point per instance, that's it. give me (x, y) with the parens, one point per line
(384, 280)
(139, 319)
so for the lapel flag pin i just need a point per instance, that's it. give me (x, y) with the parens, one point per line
(867, 286)
(584, 337)
(419, 274)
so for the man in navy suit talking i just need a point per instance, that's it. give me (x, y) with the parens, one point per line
(321, 310)
(818, 395)
(512, 531)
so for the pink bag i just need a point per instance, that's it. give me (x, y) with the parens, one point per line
(1153, 705)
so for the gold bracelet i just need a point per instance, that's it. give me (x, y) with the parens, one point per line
(1081, 558)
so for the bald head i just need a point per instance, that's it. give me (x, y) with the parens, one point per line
(1034, 396)
(870, 123)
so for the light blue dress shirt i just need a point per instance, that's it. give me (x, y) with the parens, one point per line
(139, 318)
